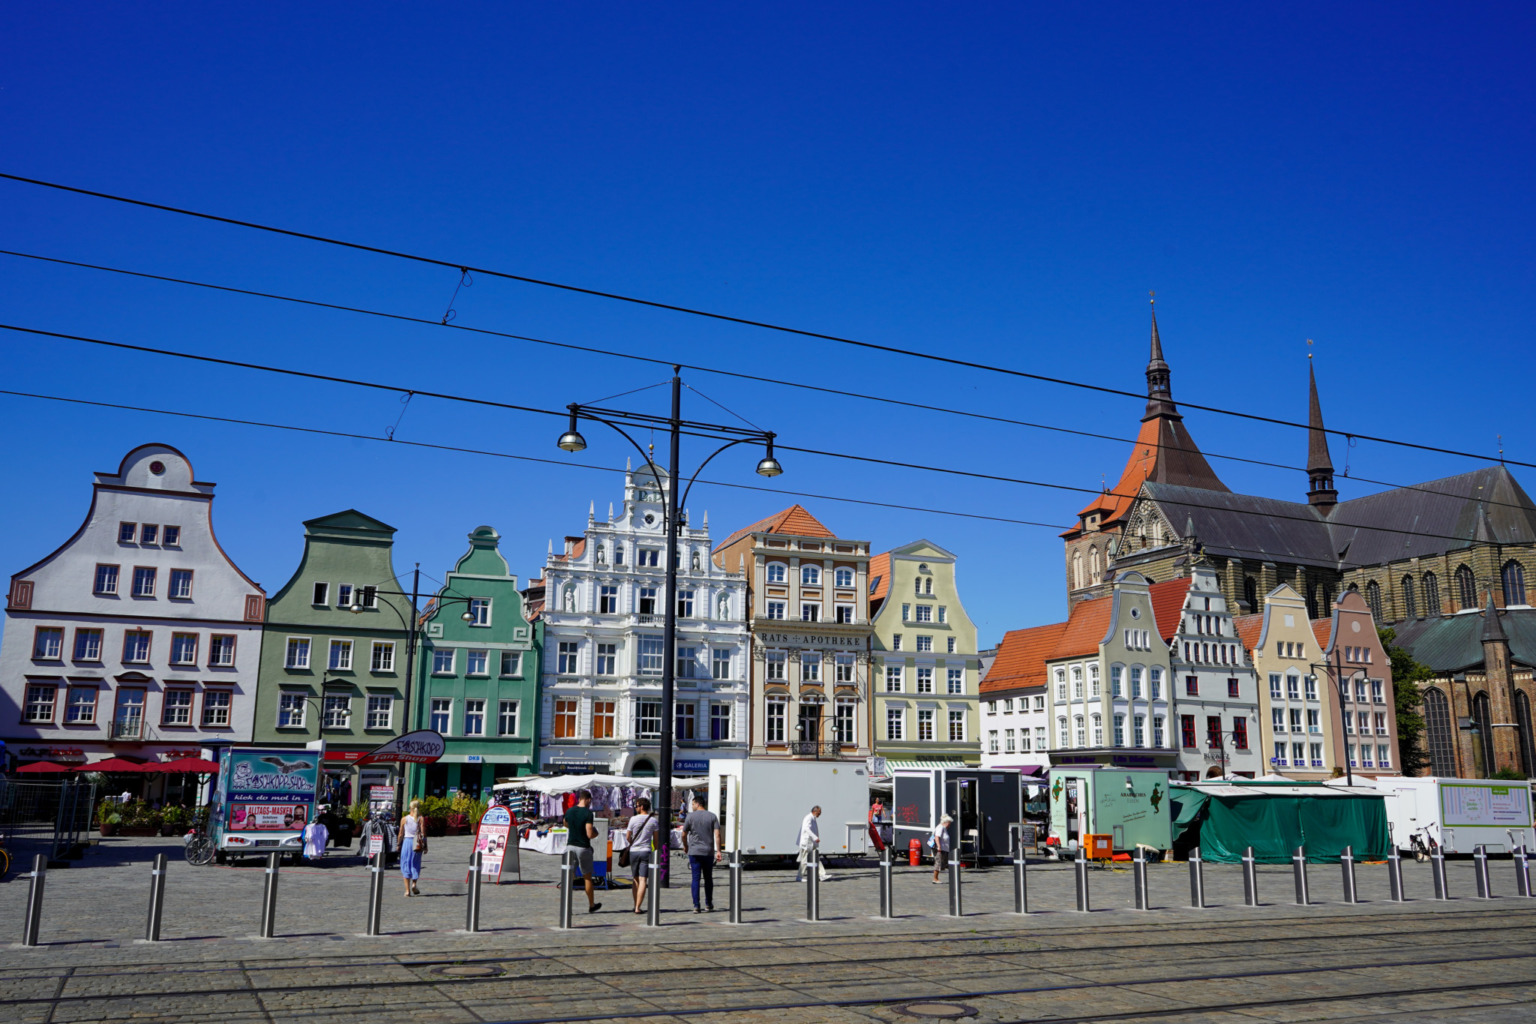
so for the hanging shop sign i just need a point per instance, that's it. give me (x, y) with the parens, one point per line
(424, 746)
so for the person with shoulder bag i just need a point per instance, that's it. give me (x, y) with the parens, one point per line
(641, 831)
(413, 843)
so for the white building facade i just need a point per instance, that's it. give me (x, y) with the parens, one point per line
(1216, 696)
(1015, 727)
(138, 637)
(603, 613)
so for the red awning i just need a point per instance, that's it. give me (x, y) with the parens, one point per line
(44, 766)
(113, 764)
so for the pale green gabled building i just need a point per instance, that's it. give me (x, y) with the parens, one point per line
(326, 671)
(478, 677)
(925, 666)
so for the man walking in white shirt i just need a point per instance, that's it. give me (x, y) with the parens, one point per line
(810, 839)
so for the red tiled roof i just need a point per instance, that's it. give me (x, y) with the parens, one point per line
(879, 576)
(1085, 629)
(1323, 630)
(1168, 605)
(1021, 657)
(1249, 629)
(794, 520)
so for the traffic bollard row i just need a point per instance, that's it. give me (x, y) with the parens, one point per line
(376, 894)
(1080, 868)
(269, 897)
(1139, 873)
(813, 886)
(736, 868)
(652, 890)
(1299, 869)
(472, 909)
(887, 873)
(34, 918)
(1522, 871)
(1437, 870)
(156, 899)
(567, 879)
(1480, 872)
(1020, 882)
(1347, 862)
(1196, 880)
(1395, 874)
(1250, 879)
(956, 907)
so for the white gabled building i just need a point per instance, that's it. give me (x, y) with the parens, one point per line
(138, 637)
(603, 612)
(1216, 695)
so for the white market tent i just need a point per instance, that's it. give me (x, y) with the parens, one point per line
(571, 783)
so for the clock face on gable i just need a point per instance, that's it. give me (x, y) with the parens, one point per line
(650, 519)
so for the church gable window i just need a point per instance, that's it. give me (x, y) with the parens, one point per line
(1410, 611)
(1431, 594)
(1373, 599)
(1513, 576)
(1466, 587)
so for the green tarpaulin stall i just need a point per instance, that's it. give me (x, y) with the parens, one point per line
(1222, 819)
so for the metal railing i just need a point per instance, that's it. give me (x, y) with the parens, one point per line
(57, 814)
(814, 748)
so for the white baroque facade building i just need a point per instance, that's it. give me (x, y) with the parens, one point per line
(603, 654)
(137, 637)
(1216, 694)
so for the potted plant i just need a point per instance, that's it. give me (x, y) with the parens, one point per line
(110, 823)
(174, 821)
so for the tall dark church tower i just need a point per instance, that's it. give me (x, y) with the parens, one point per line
(1320, 491)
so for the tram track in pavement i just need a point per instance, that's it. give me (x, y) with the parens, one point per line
(1038, 942)
(984, 963)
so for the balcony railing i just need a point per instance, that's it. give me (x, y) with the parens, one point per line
(813, 748)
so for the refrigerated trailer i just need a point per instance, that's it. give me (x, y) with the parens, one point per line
(984, 803)
(761, 804)
(1128, 804)
(1460, 814)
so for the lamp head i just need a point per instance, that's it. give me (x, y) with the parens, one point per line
(768, 465)
(467, 617)
(571, 440)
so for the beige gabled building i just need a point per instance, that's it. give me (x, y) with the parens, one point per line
(808, 599)
(1298, 711)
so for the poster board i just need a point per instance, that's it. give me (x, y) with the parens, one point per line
(1485, 805)
(497, 845)
(381, 799)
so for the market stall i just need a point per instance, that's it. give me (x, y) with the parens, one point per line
(1223, 817)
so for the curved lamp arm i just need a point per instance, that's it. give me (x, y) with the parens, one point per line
(717, 451)
(648, 460)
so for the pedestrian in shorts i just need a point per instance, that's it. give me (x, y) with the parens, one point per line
(581, 832)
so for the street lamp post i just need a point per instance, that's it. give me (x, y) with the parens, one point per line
(1335, 673)
(768, 466)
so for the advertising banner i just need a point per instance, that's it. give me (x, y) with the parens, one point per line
(493, 841)
(381, 799)
(424, 746)
(269, 790)
(1481, 805)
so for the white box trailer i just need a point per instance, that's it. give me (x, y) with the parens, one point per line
(1461, 814)
(761, 803)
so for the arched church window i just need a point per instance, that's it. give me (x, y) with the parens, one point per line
(1466, 587)
(1431, 594)
(1410, 609)
(1077, 570)
(1513, 576)
(1373, 599)
(1095, 566)
(1440, 739)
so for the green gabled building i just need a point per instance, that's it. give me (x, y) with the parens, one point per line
(328, 671)
(478, 676)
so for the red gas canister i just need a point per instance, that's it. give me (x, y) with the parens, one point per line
(915, 852)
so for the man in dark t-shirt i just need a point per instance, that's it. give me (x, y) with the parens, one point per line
(578, 823)
(701, 838)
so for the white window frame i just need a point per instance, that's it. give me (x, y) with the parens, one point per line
(382, 658)
(296, 653)
(507, 711)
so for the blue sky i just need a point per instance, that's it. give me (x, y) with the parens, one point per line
(1000, 182)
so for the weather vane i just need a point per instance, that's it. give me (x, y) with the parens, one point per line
(1153, 300)
(1309, 348)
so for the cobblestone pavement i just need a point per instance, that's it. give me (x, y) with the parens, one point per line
(1460, 960)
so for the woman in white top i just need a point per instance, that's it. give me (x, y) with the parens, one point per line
(940, 843)
(413, 829)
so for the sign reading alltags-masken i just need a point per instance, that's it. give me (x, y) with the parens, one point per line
(423, 746)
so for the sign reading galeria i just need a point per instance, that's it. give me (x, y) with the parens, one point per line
(424, 746)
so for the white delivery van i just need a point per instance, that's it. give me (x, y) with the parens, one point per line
(1461, 814)
(761, 804)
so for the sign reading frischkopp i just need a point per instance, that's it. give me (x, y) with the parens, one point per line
(423, 746)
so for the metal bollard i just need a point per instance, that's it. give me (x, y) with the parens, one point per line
(956, 907)
(376, 894)
(1480, 869)
(1395, 874)
(652, 896)
(813, 886)
(1250, 879)
(1347, 863)
(1196, 880)
(1080, 868)
(887, 876)
(1020, 881)
(1299, 869)
(156, 899)
(567, 878)
(34, 919)
(1139, 876)
(1522, 871)
(1437, 870)
(269, 896)
(472, 906)
(735, 866)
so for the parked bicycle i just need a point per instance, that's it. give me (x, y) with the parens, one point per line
(197, 844)
(1423, 846)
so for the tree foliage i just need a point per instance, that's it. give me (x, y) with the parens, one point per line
(1407, 673)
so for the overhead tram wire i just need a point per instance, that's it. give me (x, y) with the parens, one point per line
(567, 463)
(715, 370)
(464, 268)
(904, 464)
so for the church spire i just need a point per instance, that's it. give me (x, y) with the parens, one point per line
(1159, 388)
(1320, 492)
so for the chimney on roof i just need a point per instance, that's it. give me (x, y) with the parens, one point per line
(1320, 492)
